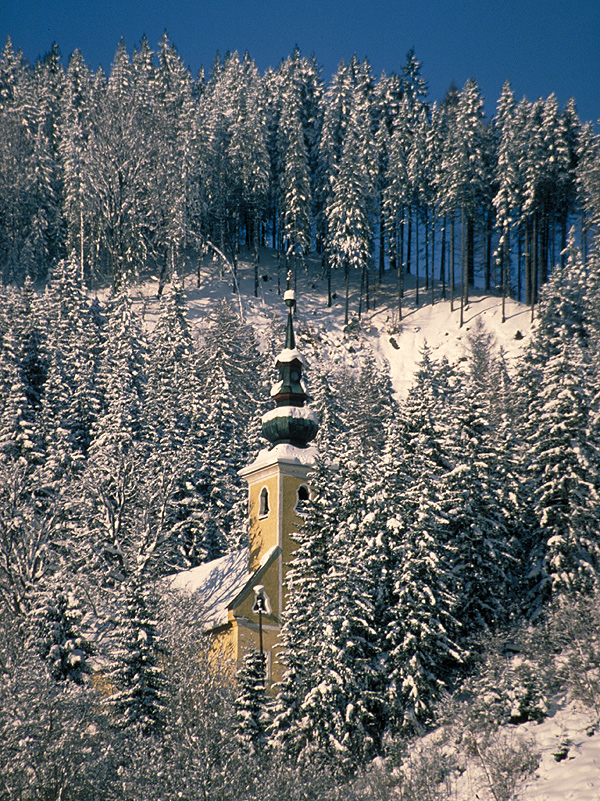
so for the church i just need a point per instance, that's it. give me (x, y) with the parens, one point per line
(244, 593)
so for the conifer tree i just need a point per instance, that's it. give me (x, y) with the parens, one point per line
(56, 626)
(564, 465)
(136, 673)
(71, 399)
(251, 704)
(558, 388)
(303, 619)
(350, 204)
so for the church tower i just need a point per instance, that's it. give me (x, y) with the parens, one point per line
(243, 592)
(277, 483)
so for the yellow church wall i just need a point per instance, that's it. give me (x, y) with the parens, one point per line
(249, 640)
(264, 530)
(282, 480)
(291, 522)
(223, 651)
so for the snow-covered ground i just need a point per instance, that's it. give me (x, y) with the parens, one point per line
(576, 777)
(568, 746)
(396, 343)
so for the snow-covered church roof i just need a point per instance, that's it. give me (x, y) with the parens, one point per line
(217, 583)
(220, 582)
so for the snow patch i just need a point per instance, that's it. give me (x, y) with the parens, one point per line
(289, 355)
(297, 412)
(283, 452)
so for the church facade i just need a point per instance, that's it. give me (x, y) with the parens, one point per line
(243, 593)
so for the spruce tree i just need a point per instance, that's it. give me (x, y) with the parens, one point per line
(251, 704)
(136, 674)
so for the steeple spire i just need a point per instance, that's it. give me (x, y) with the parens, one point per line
(290, 302)
(291, 422)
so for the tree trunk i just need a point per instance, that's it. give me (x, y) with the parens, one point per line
(534, 264)
(400, 283)
(488, 253)
(347, 276)
(362, 289)
(470, 245)
(417, 256)
(443, 259)
(505, 269)
(426, 249)
(381, 244)
(452, 240)
(255, 238)
(409, 241)
(402, 266)
(544, 235)
(432, 256)
(401, 269)
(393, 253)
(463, 268)
(519, 262)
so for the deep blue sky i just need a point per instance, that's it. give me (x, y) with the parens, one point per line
(541, 47)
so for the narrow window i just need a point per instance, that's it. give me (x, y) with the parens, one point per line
(302, 496)
(263, 502)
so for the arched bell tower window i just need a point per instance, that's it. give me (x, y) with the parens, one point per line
(263, 503)
(302, 496)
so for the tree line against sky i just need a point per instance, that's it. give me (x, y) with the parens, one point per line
(148, 166)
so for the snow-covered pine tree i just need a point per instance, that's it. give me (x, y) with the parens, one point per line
(175, 127)
(368, 403)
(136, 673)
(341, 712)
(118, 175)
(419, 641)
(71, 398)
(349, 209)
(507, 198)
(564, 465)
(251, 704)
(421, 638)
(303, 618)
(19, 433)
(467, 164)
(328, 709)
(55, 623)
(172, 389)
(562, 457)
(218, 482)
(296, 200)
(55, 739)
(73, 132)
(469, 517)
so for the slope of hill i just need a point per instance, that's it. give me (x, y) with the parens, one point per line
(566, 741)
(397, 344)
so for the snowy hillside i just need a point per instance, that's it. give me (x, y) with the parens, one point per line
(566, 741)
(562, 752)
(397, 345)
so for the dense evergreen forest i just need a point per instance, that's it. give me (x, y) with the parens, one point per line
(149, 165)
(470, 511)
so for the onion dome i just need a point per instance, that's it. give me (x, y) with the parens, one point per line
(291, 421)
